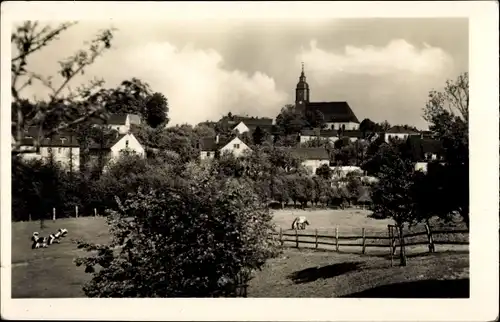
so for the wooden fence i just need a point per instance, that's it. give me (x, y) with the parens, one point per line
(77, 214)
(336, 241)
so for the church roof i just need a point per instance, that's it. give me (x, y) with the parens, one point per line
(334, 111)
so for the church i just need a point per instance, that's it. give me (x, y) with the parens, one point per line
(338, 115)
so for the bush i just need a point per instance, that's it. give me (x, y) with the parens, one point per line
(193, 238)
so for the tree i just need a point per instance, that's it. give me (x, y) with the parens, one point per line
(258, 136)
(367, 126)
(290, 120)
(394, 195)
(64, 107)
(448, 115)
(324, 171)
(195, 237)
(156, 110)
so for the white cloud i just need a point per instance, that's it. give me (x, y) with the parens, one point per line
(397, 57)
(197, 85)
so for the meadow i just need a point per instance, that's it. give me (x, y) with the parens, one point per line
(51, 273)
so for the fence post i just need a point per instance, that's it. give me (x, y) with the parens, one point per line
(296, 238)
(76, 211)
(390, 243)
(316, 237)
(281, 236)
(337, 238)
(54, 214)
(429, 237)
(29, 217)
(364, 241)
(95, 212)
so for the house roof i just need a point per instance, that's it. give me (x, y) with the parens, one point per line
(421, 146)
(312, 153)
(109, 144)
(117, 119)
(210, 143)
(249, 121)
(352, 133)
(401, 129)
(333, 111)
(60, 140)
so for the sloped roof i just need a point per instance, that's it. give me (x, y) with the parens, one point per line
(210, 143)
(60, 140)
(352, 133)
(333, 111)
(421, 146)
(248, 120)
(117, 119)
(311, 153)
(400, 129)
(109, 143)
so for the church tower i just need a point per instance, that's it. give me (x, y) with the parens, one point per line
(302, 92)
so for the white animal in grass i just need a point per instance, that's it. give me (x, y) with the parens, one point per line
(300, 223)
(63, 232)
(37, 241)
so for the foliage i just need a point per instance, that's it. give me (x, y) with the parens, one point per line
(324, 171)
(290, 120)
(394, 195)
(65, 107)
(447, 112)
(193, 238)
(157, 110)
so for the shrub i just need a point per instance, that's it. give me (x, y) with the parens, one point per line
(193, 238)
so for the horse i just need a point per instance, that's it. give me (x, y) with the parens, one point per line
(300, 223)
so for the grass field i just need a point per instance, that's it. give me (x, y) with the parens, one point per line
(51, 273)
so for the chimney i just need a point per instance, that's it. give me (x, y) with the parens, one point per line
(217, 139)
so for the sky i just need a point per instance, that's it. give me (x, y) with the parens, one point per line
(384, 68)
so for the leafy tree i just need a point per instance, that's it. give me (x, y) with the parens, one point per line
(196, 237)
(258, 136)
(324, 171)
(394, 195)
(156, 110)
(448, 115)
(290, 120)
(367, 126)
(64, 107)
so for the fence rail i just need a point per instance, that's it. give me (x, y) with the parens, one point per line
(391, 240)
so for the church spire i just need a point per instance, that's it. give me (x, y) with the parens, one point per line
(302, 89)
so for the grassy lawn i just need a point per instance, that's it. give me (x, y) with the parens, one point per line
(51, 273)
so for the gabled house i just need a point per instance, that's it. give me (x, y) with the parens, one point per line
(313, 158)
(113, 149)
(399, 132)
(119, 122)
(63, 148)
(211, 147)
(250, 124)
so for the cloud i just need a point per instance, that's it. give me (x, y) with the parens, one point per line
(197, 85)
(397, 57)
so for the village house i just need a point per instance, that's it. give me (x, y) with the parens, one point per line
(112, 150)
(212, 146)
(250, 124)
(399, 132)
(312, 158)
(63, 148)
(119, 122)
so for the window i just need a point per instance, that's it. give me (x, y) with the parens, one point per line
(126, 143)
(208, 154)
(59, 150)
(236, 146)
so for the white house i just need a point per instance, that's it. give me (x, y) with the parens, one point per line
(115, 148)
(398, 132)
(313, 158)
(119, 122)
(211, 146)
(241, 127)
(62, 148)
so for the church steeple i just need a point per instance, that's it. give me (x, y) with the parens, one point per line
(302, 91)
